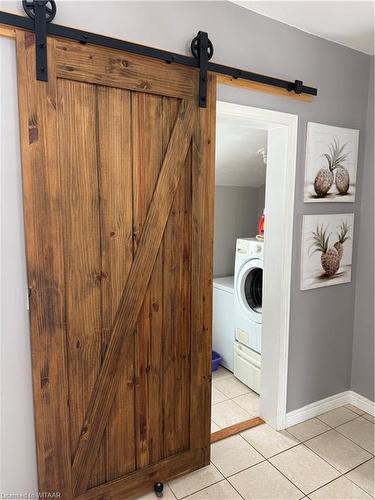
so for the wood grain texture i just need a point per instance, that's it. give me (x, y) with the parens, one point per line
(42, 196)
(151, 86)
(203, 185)
(117, 210)
(176, 304)
(133, 295)
(143, 481)
(235, 429)
(116, 214)
(7, 31)
(147, 160)
(261, 87)
(116, 68)
(77, 131)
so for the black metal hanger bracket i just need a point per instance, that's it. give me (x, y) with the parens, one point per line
(41, 12)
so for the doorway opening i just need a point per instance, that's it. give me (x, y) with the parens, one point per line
(254, 203)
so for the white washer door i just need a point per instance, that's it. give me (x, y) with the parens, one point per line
(249, 289)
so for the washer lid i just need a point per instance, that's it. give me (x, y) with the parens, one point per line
(249, 289)
(226, 283)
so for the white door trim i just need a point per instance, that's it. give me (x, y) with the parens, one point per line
(280, 190)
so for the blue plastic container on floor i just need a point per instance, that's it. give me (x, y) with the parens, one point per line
(216, 358)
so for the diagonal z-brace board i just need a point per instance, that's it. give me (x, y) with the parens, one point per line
(132, 297)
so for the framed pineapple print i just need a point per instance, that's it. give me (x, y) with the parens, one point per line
(327, 242)
(331, 163)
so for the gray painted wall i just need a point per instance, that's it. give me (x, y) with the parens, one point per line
(236, 216)
(321, 326)
(362, 380)
(18, 455)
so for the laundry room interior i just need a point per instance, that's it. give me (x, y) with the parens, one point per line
(240, 215)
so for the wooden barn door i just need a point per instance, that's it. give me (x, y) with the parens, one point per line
(118, 189)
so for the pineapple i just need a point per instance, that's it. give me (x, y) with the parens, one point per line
(342, 180)
(324, 178)
(343, 236)
(329, 259)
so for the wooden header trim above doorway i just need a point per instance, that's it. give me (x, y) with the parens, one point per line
(7, 31)
(261, 87)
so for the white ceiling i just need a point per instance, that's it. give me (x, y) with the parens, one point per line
(238, 162)
(349, 23)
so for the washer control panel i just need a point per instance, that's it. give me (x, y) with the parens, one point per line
(249, 246)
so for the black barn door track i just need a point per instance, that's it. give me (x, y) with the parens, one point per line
(41, 12)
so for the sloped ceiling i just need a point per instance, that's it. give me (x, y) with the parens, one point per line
(238, 162)
(346, 22)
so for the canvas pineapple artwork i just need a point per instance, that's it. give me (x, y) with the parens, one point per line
(327, 242)
(331, 163)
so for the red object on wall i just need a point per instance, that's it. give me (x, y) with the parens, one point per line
(261, 225)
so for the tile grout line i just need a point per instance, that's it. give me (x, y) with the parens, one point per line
(331, 429)
(267, 460)
(324, 484)
(341, 434)
(344, 475)
(341, 474)
(276, 454)
(286, 477)
(223, 478)
(235, 397)
(336, 429)
(303, 442)
(226, 479)
(248, 414)
(300, 442)
(354, 468)
(232, 399)
(201, 489)
(357, 416)
(328, 430)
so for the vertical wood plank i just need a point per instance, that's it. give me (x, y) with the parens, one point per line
(147, 160)
(82, 254)
(42, 196)
(133, 297)
(202, 266)
(83, 228)
(176, 303)
(116, 212)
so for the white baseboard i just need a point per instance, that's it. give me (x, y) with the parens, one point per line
(362, 403)
(314, 409)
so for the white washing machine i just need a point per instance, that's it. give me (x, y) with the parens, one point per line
(248, 285)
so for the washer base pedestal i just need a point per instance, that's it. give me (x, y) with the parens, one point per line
(247, 366)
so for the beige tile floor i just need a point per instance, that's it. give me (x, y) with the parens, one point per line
(232, 401)
(328, 457)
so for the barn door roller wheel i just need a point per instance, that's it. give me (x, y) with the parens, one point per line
(202, 49)
(195, 45)
(42, 12)
(29, 8)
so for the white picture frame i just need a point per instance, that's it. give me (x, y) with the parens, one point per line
(325, 142)
(317, 271)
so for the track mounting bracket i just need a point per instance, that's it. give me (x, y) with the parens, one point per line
(42, 12)
(202, 49)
